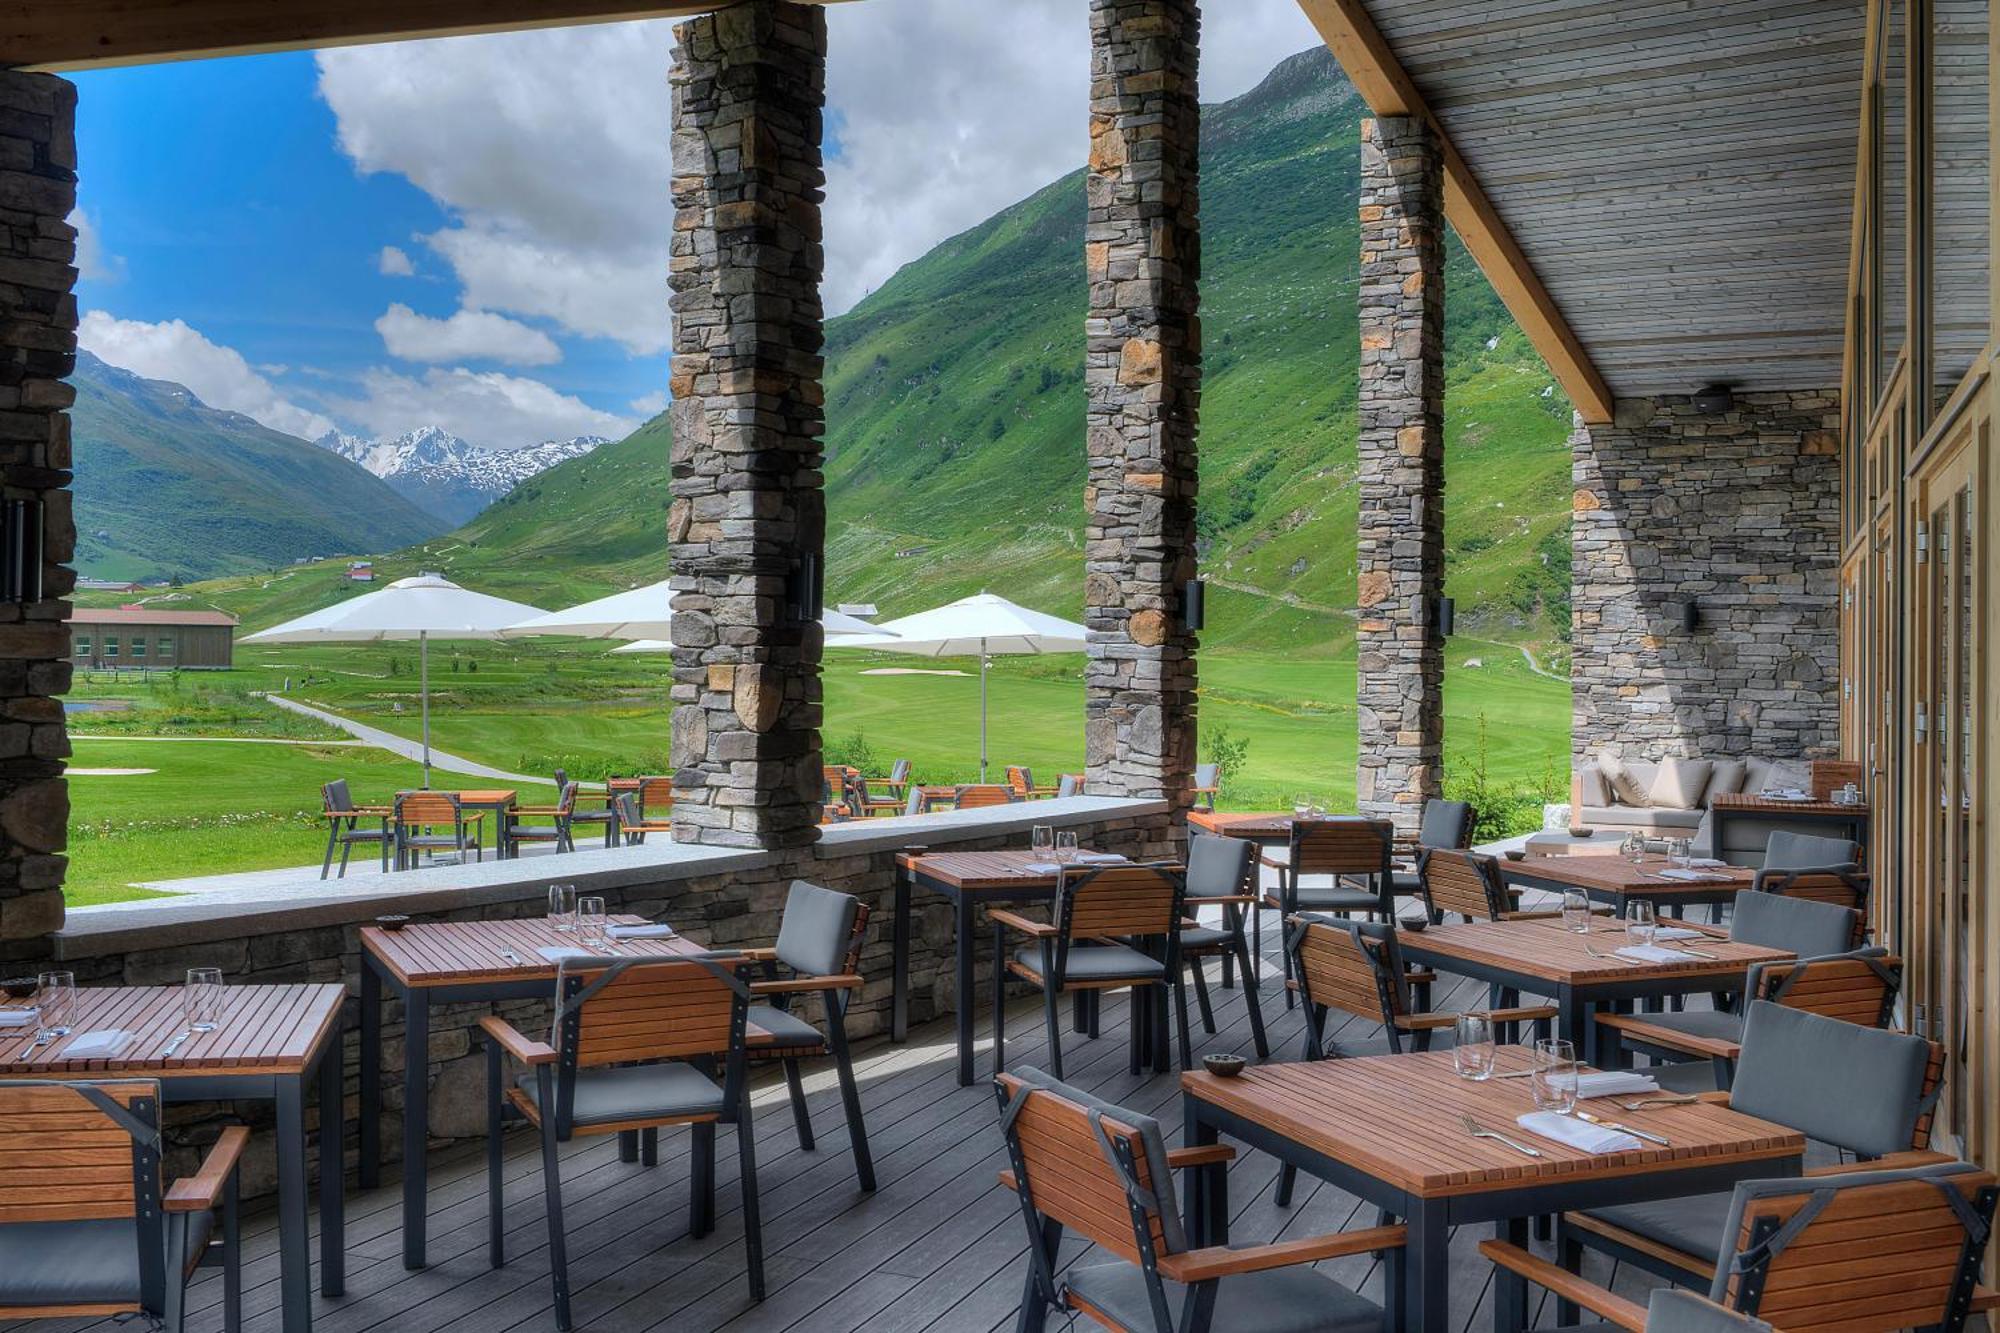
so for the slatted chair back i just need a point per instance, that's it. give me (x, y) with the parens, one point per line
(917, 802)
(566, 801)
(1341, 846)
(1866, 1251)
(1352, 966)
(1843, 886)
(338, 799)
(1860, 987)
(1466, 884)
(1119, 901)
(1020, 781)
(1116, 1190)
(656, 796)
(978, 796)
(1824, 777)
(629, 1010)
(428, 808)
(899, 776)
(1920, 1136)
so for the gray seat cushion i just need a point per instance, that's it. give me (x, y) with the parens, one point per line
(814, 931)
(1804, 927)
(1674, 1311)
(1284, 1300)
(636, 1092)
(1853, 1087)
(1664, 820)
(81, 1263)
(1335, 898)
(788, 1029)
(1099, 962)
(1204, 937)
(1691, 1224)
(1804, 851)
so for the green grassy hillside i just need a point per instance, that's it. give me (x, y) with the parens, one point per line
(168, 487)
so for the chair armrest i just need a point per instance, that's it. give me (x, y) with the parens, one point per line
(524, 1049)
(1219, 1261)
(1208, 1154)
(1636, 1028)
(1525, 1013)
(1234, 900)
(797, 985)
(1566, 1285)
(756, 955)
(1419, 977)
(1713, 1098)
(1019, 924)
(202, 1191)
(1425, 1022)
(1264, 860)
(533, 810)
(1895, 1161)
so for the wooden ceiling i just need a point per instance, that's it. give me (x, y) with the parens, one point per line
(1676, 175)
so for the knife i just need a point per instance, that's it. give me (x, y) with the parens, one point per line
(1590, 1119)
(175, 1043)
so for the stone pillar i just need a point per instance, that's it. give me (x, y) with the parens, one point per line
(1399, 651)
(747, 524)
(1142, 377)
(37, 354)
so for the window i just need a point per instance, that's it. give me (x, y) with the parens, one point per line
(166, 646)
(111, 645)
(138, 645)
(82, 648)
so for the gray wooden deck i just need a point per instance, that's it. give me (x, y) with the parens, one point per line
(939, 1246)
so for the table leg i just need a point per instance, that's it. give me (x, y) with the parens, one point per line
(294, 1251)
(899, 962)
(371, 1075)
(1426, 1270)
(1510, 1290)
(1207, 1216)
(332, 1171)
(416, 1122)
(966, 955)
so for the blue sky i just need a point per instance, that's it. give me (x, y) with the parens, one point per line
(236, 212)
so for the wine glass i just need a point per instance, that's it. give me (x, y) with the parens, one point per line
(1576, 911)
(1553, 1083)
(1473, 1051)
(1683, 852)
(1066, 847)
(562, 907)
(1641, 923)
(57, 1001)
(1302, 806)
(1042, 841)
(1633, 848)
(201, 999)
(591, 922)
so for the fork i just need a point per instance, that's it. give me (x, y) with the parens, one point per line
(1679, 1099)
(1472, 1128)
(510, 956)
(1592, 950)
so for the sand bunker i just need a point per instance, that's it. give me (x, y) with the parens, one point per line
(108, 772)
(910, 671)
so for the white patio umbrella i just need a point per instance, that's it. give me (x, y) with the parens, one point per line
(983, 626)
(424, 607)
(645, 614)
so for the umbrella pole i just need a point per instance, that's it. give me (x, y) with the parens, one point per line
(424, 694)
(984, 663)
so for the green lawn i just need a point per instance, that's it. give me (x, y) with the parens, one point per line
(221, 806)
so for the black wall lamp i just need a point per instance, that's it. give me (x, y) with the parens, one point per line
(1194, 604)
(1714, 400)
(804, 588)
(21, 551)
(1689, 615)
(1447, 616)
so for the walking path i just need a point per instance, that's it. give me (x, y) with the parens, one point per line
(401, 745)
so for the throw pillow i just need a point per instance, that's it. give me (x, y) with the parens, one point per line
(1680, 783)
(1627, 788)
(1590, 787)
(1727, 779)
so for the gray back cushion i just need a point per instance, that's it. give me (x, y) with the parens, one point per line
(1672, 1310)
(1803, 851)
(1204, 774)
(1069, 784)
(336, 795)
(1445, 824)
(1154, 1141)
(815, 929)
(1807, 928)
(1216, 865)
(1854, 1087)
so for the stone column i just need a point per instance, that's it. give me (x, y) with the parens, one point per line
(747, 524)
(1399, 651)
(1142, 377)
(37, 354)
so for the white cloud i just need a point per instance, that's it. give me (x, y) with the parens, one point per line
(395, 263)
(91, 259)
(486, 408)
(217, 375)
(652, 404)
(468, 335)
(550, 148)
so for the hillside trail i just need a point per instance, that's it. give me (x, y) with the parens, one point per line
(403, 746)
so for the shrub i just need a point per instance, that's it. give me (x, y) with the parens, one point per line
(1503, 809)
(853, 752)
(1229, 753)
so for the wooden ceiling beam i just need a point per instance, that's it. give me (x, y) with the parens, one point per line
(59, 36)
(1386, 86)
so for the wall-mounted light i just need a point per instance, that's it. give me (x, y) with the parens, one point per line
(1714, 400)
(803, 588)
(20, 551)
(1689, 615)
(1194, 604)
(1447, 616)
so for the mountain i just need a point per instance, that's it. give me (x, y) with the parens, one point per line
(443, 475)
(168, 487)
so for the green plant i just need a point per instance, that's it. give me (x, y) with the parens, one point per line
(852, 752)
(1229, 753)
(1503, 809)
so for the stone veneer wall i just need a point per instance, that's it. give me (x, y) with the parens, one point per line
(1739, 513)
(37, 353)
(1399, 649)
(1142, 378)
(748, 517)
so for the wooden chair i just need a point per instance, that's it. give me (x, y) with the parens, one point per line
(1021, 781)
(1864, 1091)
(1207, 786)
(1069, 784)
(836, 798)
(1106, 1174)
(343, 818)
(514, 834)
(1104, 922)
(1221, 874)
(1466, 884)
(896, 791)
(632, 1052)
(1446, 825)
(1843, 886)
(978, 796)
(818, 952)
(601, 810)
(88, 1229)
(1854, 1250)
(632, 825)
(1342, 851)
(418, 813)
(1824, 777)
(656, 798)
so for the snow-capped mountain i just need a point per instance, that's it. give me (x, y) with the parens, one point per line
(444, 475)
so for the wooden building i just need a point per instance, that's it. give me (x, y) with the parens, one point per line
(141, 636)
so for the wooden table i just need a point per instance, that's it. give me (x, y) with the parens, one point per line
(495, 800)
(968, 879)
(1263, 827)
(269, 1041)
(1538, 956)
(1555, 842)
(1850, 821)
(1387, 1128)
(446, 962)
(1614, 880)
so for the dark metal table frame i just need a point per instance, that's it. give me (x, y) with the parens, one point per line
(1416, 1280)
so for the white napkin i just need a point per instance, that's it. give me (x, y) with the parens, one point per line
(1097, 858)
(556, 953)
(651, 932)
(1786, 794)
(1648, 953)
(19, 1018)
(1614, 1083)
(1687, 876)
(97, 1045)
(1707, 862)
(1678, 933)
(1042, 867)
(1563, 1129)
